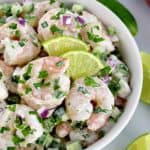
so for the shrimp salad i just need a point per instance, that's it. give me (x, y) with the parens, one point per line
(41, 106)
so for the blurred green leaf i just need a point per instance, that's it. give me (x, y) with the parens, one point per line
(123, 13)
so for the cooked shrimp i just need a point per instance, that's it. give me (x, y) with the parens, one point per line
(19, 122)
(63, 129)
(65, 24)
(19, 42)
(40, 8)
(80, 108)
(3, 88)
(95, 34)
(5, 74)
(46, 84)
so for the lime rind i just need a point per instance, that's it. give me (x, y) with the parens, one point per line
(82, 64)
(145, 97)
(140, 143)
(60, 45)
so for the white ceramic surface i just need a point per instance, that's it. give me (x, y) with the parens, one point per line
(140, 122)
(132, 59)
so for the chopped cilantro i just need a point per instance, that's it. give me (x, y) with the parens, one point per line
(79, 125)
(95, 38)
(37, 85)
(2, 21)
(32, 112)
(11, 148)
(43, 74)
(1, 75)
(55, 29)
(4, 129)
(17, 33)
(52, 1)
(123, 68)
(45, 140)
(26, 75)
(17, 140)
(61, 12)
(83, 90)
(114, 86)
(12, 107)
(13, 99)
(41, 84)
(46, 84)
(13, 26)
(105, 71)
(44, 24)
(99, 109)
(62, 5)
(89, 81)
(22, 42)
(16, 79)
(59, 94)
(101, 133)
(60, 64)
(27, 130)
(28, 90)
(19, 122)
(56, 84)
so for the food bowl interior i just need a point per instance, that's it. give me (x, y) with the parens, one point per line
(131, 56)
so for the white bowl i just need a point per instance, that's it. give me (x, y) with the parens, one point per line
(131, 56)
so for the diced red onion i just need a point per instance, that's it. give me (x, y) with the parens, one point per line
(44, 112)
(66, 20)
(21, 21)
(106, 79)
(111, 62)
(80, 20)
(120, 102)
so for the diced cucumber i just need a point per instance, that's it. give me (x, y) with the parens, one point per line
(115, 113)
(28, 7)
(16, 9)
(77, 8)
(74, 146)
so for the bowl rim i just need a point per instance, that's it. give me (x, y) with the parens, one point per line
(128, 114)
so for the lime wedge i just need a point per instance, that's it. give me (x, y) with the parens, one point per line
(146, 74)
(60, 45)
(82, 64)
(141, 143)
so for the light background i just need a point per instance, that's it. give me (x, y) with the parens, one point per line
(140, 123)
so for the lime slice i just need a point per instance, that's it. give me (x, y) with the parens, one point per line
(146, 74)
(141, 143)
(60, 45)
(82, 64)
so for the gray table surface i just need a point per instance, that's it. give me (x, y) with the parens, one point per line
(140, 123)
